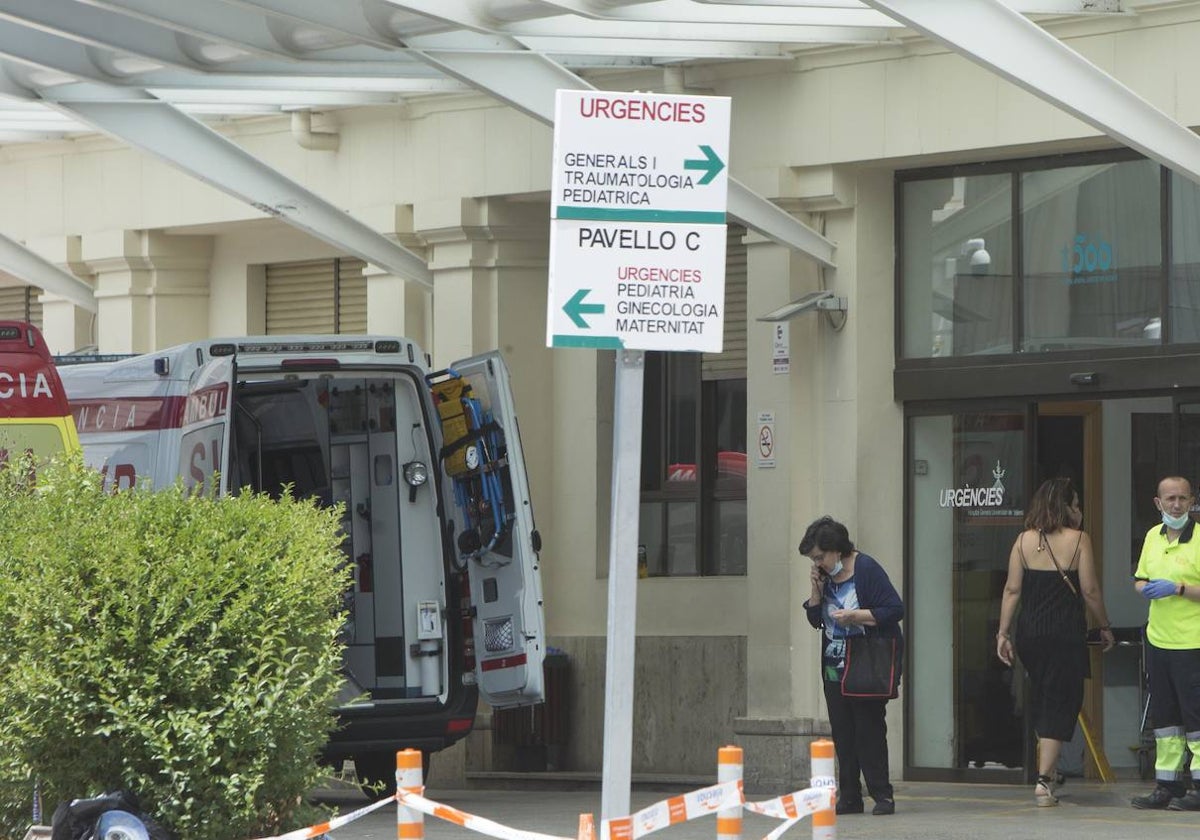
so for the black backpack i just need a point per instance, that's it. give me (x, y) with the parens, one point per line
(84, 819)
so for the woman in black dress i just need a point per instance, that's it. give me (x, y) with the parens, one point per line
(1052, 574)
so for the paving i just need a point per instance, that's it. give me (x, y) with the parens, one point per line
(925, 810)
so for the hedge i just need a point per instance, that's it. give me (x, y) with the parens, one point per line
(181, 647)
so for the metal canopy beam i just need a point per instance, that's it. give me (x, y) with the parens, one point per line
(527, 81)
(25, 265)
(994, 36)
(1025, 7)
(154, 126)
(685, 11)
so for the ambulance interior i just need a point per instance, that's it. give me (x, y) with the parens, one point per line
(344, 439)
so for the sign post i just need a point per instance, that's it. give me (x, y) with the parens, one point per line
(637, 262)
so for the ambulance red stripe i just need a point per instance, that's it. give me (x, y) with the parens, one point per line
(128, 414)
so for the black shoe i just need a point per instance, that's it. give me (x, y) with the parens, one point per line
(1157, 799)
(1190, 801)
(883, 807)
(849, 806)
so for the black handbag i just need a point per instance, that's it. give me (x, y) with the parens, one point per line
(872, 667)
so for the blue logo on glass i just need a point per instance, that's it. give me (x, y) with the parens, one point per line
(1085, 261)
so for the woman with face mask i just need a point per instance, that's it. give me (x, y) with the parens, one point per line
(1052, 575)
(852, 596)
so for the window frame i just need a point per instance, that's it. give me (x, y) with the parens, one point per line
(703, 493)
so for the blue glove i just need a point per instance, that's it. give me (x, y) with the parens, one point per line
(1159, 588)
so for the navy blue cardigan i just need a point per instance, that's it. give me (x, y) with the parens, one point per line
(875, 593)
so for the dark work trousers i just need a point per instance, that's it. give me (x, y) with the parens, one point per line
(860, 741)
(1174, 713)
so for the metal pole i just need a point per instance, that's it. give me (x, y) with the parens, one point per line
(622, 585)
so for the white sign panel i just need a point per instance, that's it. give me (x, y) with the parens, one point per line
(644, 157)
(764, 455)
(635, 285)
(637, 241)
(781, 352)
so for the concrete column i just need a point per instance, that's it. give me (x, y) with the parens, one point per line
(152, 287)
(785, 708)
(396, 306)
(65, 326)
(873, 491)
(488, 258)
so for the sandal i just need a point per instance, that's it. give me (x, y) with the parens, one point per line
(1043, 792)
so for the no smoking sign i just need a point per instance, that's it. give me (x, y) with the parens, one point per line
(765, 456)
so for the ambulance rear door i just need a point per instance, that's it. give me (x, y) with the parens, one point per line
(505, 577)
(204, 442)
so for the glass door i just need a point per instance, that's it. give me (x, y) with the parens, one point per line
(968, 480)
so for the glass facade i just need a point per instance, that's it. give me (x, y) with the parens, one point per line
(1185, 260)
(1075, 283)
(1093, 245)
(957, 269)
(1092, 256)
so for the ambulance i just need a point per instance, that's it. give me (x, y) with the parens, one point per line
(427, 466)
(34, 417)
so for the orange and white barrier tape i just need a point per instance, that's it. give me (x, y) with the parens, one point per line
(677, 809)
(793, 806)
(484, 826)
(720, 800)
(336, 822)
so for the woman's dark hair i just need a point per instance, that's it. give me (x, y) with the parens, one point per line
(1049, 507)
(827, 534)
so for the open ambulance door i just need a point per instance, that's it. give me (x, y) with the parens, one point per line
(204, 443)
(498, 542)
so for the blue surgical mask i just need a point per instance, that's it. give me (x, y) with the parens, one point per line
(837, 569)
(1177, 523)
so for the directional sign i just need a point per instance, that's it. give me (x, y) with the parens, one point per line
(640, 286)
(637, 241)
(643, 157)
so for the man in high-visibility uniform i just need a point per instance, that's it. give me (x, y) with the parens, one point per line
(1168, 575)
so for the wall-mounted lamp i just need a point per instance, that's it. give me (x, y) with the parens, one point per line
(822, 300)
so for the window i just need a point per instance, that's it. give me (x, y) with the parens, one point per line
(1074, 252)
(1092, 266)
(317, 297)
(693, 511)
(1185, 260)
(957, 266)
(693, 500)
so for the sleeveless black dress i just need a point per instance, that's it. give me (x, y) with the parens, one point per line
(1051, 641)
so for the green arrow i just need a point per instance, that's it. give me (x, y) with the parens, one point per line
(575, 308)
(711, 163)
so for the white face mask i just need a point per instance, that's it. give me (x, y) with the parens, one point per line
(837, 568)
(1177, 523)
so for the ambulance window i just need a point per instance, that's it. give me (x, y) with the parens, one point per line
(42, 439)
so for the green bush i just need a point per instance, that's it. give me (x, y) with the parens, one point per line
(180, 647)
